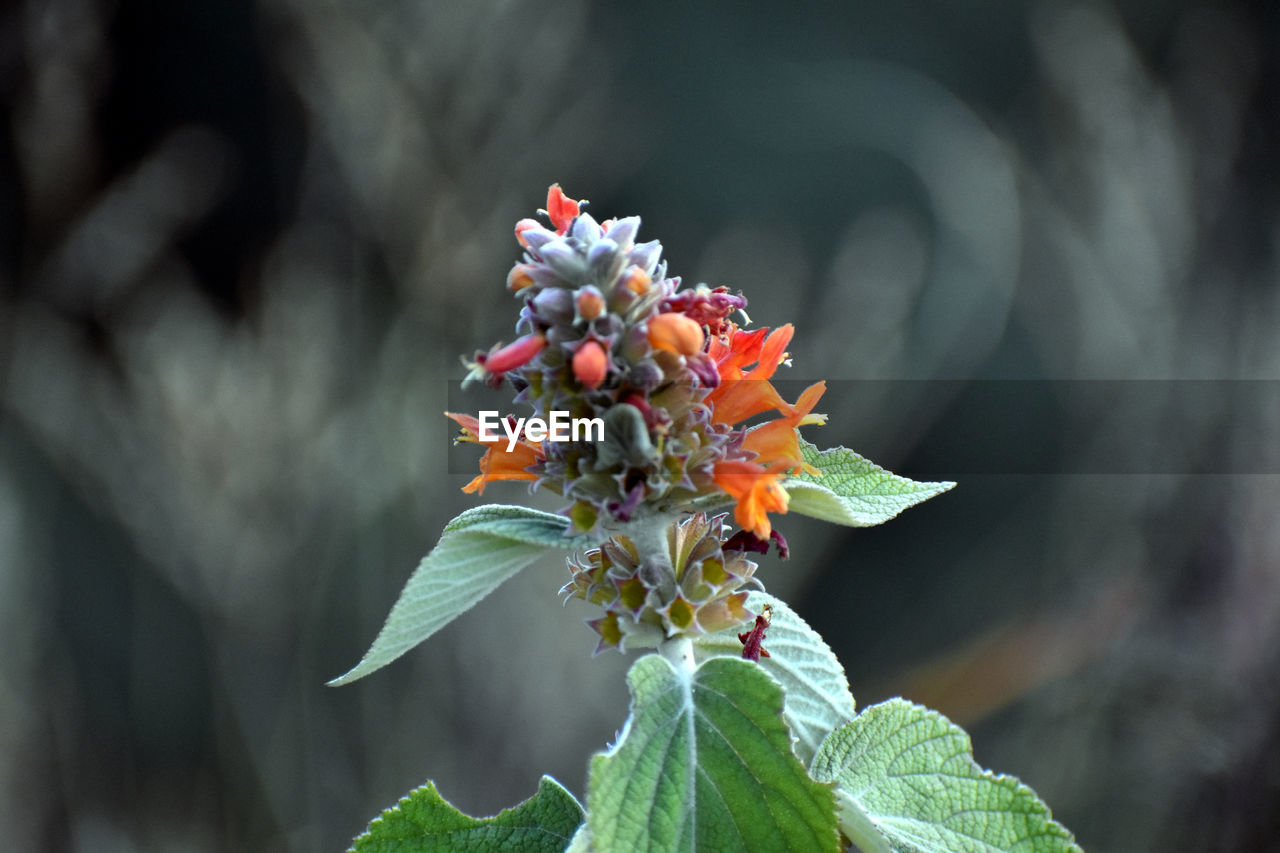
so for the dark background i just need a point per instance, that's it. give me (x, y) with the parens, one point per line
(242, 246)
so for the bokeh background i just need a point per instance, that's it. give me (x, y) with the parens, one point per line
(244, 243)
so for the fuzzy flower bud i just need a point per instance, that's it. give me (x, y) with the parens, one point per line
(590, 303)
(636, 280)
(520, 277)
(676, 333)
(523, 226)
(590, 364)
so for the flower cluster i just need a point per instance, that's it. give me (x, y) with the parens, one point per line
(605, 333)
(692, 585)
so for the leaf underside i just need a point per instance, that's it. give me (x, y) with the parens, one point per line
(907, 781)
(852, 490)
(478, 550)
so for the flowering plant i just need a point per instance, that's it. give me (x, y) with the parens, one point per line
(742, 733)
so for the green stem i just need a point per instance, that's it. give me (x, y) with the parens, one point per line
(678, 651)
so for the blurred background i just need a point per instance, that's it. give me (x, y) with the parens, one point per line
(1033, 246)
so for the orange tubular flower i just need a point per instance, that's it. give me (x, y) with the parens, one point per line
(741, 349)
(497, 463)
(513, 355)
(744, 393)
(758, 491)
(778, 441)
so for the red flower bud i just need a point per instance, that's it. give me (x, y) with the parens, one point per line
(518, 353)
(590, 364)
(522, 226)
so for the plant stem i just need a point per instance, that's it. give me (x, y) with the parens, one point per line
(678, 651)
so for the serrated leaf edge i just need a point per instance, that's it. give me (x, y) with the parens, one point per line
(496, 521)
(545, 784)
(1055, 829)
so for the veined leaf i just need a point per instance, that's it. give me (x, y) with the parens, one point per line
(424, 822)
(907, 783)
(852, 490)
(817, 697)
(705, 764)
(477, 552)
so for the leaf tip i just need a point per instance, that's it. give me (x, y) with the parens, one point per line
(347, 677)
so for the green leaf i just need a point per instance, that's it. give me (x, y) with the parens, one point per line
(817, 697)
(705, 764)
(477, 551)
(907, 781)
(424, 821)
(852, 490)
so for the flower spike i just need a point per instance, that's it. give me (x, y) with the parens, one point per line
(606, 335)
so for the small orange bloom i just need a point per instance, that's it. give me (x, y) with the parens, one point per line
(590, 303)
(758, 491)
(497, 463)
(519, 278)
(636, 280)
(741, 348)
(778, 440)
(746, 361)
(745, 393)
(676, 333)
(561, 209)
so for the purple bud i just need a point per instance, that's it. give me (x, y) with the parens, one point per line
(645, 375)
(745, 540)
(536, 238)
(645, 255)
(585, 229)
(621, 510)
(608, 325)
(701, 366)
(603, 246)
(601, 256)
(564, 260)
(620, 298)
(635, 345)
(554, 305)
(560, 335)
(624, 231)
(543, 275)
